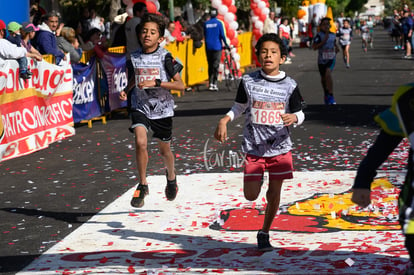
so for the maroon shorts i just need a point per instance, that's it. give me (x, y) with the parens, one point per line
(279, 167)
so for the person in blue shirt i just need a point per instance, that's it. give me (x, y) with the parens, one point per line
(46, 40)
(214, 36)
(407, 28)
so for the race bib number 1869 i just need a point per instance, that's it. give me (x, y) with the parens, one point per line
(268, 113)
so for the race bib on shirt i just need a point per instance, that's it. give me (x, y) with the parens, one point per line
(142, 74)
(268, 113)
(328, 54)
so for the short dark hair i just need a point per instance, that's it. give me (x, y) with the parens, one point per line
(138, 7)
(274, 38)
(154, 18)
(325, 19)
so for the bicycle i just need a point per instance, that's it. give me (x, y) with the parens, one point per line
(231, 73)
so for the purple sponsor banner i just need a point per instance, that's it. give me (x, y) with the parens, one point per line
(114, 66)
(85, 92)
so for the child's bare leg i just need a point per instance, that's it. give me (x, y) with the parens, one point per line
(252, 189)
(141, 153)
(273, 200)
(168, 156)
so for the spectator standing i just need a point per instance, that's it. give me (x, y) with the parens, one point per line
(178, 32)
(313, 28)
(96, 21)
(46, 40)
(214, 39)
(325, 43)
(132, 44)
(117, 37)
(340, 20)
(9, 50)
(285, 34)
(396, 31)
(36, 12)
(269, 25)
(68, 43)
(407, 28)
(168, 32)
(84, 22)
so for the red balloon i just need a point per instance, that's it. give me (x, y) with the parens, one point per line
(233, 9)
(257, 11)
(256, 33)
(227, 2)
(226, 25)
(230, 34)
(253, 5)
(262, 17)
(220, 17)
(235, 42)
(151, 7)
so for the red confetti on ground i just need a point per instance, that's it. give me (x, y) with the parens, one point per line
(131, 269)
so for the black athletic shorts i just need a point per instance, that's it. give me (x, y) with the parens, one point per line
(323, 67)
(161, 128)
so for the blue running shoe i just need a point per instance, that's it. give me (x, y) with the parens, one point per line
(330, 100)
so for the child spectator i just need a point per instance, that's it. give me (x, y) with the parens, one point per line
(152, 105)
(68, 43)
(15, 38)
(271, 102)
(9, 50)
(28, 32)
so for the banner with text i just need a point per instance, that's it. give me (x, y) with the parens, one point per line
(86, 104)
(34, 112)
(114, 66)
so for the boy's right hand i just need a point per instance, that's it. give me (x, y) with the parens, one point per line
(221, 132)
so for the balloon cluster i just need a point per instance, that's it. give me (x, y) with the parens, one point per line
(259, 13)
(227, 14)
(153, 6)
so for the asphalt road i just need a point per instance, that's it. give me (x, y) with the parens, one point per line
(46, 195)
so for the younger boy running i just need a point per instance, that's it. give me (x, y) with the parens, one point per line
(345, 37)
(272, 102)
(325, 43)
(152, 105)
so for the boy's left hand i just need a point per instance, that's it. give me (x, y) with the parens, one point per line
(146, 84)
(289, 119)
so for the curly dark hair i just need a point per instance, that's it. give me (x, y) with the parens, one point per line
(274, 38)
